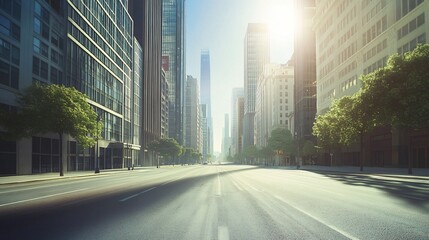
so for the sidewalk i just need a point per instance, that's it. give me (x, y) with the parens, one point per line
(67, 175)
(367, 170)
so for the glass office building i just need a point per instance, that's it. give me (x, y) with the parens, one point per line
(84, 44)
(173, 58)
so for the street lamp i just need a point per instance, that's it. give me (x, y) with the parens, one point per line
(97, 163)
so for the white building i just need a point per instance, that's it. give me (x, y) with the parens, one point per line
(357, 37)
(274, 101)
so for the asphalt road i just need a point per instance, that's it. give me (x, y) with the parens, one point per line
(218, 202)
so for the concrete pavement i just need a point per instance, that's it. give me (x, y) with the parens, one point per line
(67, 175)
(422, 172)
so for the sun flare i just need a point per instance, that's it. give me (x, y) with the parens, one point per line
(281, 19)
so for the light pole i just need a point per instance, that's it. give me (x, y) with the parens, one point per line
(97, 163)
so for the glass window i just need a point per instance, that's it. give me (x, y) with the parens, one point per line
(15, 55)
(36, 66)
(44, 70)
(4, 73)
(421, 19)
(54, 56)
(36, 45)
(37, 8)
(37, 26)
(16, 13)
(14, 77)
(54, 75)
(6, 5)
(4, 25)
(4, 49)
(45, 31)
(16, 32)
(44, 49)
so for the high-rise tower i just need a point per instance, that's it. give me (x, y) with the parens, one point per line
(256, 55)
(173, 62)
(147, 25)
(205, 98)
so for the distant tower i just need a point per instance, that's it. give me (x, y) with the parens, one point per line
(236, 93)
(256, 55)
(206, 96)
(226, 139)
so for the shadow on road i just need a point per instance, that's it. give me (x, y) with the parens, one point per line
(409, 189)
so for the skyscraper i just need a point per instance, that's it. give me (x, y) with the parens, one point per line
(256, 55)
(192, 114)
(66, 45)
(205, 85)
(236, 93)
(173, 59)
(147, 25)
(226, 142)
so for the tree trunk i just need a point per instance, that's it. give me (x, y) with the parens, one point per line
(361, 152)
(410, 161)
(61, 155)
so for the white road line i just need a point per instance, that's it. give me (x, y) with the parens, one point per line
(347, 235)
(236, 184)
(135, 195)
(219, 190)
(248, 185)
(47, 196)
(222, 233)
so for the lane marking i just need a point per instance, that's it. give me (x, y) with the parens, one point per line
(219, 190)
(236, 184)
(222, 233)
(248, 185)
(137, 194)
(37, 198)
(347, 235)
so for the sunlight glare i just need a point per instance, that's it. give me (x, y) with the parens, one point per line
(281, 19)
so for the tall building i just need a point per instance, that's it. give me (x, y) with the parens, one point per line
(205, 95)
(274, 101)
(192, 138)
(147, 15)
(165, 104)
(358, 39)
(204, 132)
(173, 59)
(305, 72)
(62, 43)
(256, 55)
(226, 142)
(236, 93)
(239, 111)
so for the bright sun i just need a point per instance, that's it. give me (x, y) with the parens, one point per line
(281, 19)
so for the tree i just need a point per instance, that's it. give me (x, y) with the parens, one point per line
(281, 141)
(267, 154)
(400, 92)
(166, 147)
(309, 149)
(54, 108)
(250, 152)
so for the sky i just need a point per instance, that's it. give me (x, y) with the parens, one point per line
(220, 27)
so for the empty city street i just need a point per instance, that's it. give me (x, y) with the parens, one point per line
(218, 202)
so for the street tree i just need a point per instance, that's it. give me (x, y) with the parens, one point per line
(308, 149)
(282, 142)
(267, 154)
(166, 147)
(250, 153)
(54, 108)
(400, 92)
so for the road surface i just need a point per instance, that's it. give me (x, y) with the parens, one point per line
(218, 202)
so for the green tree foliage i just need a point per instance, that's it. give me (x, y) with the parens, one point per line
(309, 149)
(396, 95)
(166, 147)
(281, 140)
(54, 108)
(267, 154)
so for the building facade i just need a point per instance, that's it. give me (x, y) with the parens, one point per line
(236, 93)
(204, 132)
(147, 15)
(256, 55)
(205, 95)
(165, 104)
(305, 73)
(226, 139)
(173, 59)
(356, 40)
(274, 101)
(62, 43)
(239, 109)
(192, 133)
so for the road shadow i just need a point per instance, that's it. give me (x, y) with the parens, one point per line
(414, 191)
